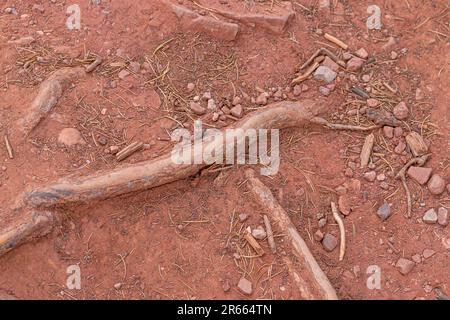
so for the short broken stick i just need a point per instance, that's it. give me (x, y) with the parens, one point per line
(253, 243)
(340, 223)
(129, 150)
(9, 148)
(420, 161)
(366, 150)
(269, 231)
(336, 41)
(314, 284)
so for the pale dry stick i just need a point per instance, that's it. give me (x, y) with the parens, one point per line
(9, 147)
(420, 161)
(336, 41)
(270, 238)
(366, 150)
(312, 282)
(128, 151)
(340, 223)
(338, 126)
(253, 243)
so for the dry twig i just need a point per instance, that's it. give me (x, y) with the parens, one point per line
(340, 223)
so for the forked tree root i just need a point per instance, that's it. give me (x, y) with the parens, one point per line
(312, 282)
(147, 174)
(152, 173)
(48, 95)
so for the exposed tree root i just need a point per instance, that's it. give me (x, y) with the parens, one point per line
(191, 20)
(49, 93)
(147, 174)
(273, 23)
(143, 175)
(153, 173)
(35, 224)
(420, 161)
(312, 282)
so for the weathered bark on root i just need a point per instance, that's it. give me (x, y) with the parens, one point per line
(140, 176)
(276, 24)
(312, 282)
(49, 93)
(191, 20)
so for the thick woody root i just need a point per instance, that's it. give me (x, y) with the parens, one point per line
(34, 225)
(190, 20)
(49, 93)
(153, 173)
(312, 282)
(276, 24)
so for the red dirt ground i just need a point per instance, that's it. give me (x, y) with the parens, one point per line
(174, 241)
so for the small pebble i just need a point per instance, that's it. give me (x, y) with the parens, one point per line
(404, 266)
(384, 212)
(329, 242)
(436, 185)
(401, 111)
(430, 216)
(245, 286)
